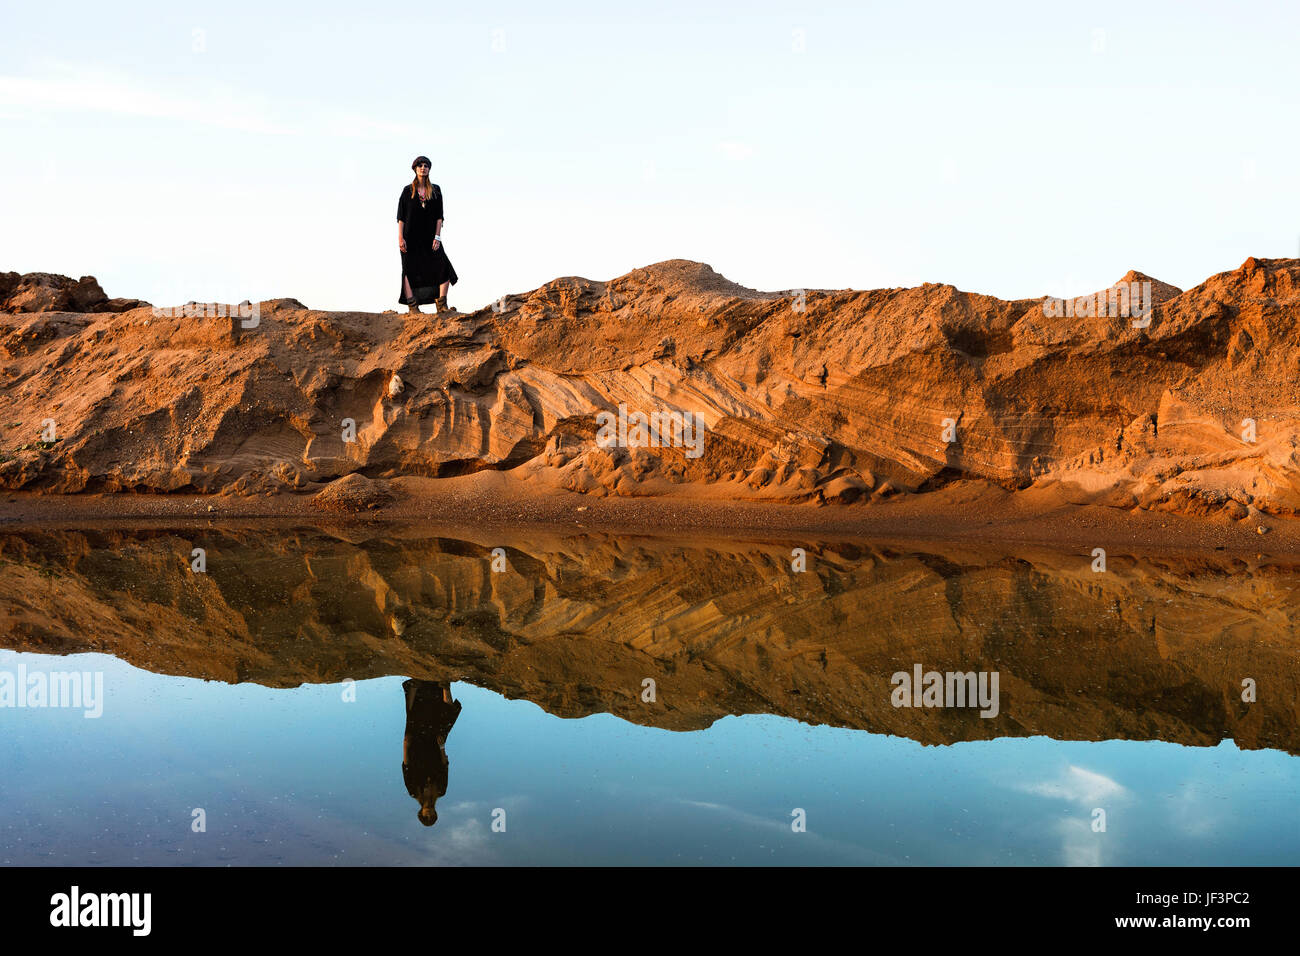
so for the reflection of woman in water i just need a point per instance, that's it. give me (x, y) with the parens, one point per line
(430, 713)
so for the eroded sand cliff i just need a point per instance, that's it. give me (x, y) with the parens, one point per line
(817, 396)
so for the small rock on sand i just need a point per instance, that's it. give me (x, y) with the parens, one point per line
(353, 493)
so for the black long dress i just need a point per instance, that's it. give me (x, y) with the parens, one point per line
(425, 269)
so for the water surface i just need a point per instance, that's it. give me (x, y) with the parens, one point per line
(269, 691)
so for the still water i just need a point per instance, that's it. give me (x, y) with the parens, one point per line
(359, 696)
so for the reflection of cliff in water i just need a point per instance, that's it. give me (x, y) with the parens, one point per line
(1151, 649)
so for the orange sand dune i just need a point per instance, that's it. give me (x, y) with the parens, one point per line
(813, 396)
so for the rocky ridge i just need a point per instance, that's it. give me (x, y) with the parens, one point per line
(818, 396)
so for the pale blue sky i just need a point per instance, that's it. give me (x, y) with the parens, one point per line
(250, 150)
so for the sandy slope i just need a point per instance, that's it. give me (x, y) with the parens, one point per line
(812, 396)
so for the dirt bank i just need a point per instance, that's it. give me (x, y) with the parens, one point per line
(891, 400)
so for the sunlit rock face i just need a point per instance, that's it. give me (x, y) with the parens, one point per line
(1158, 399)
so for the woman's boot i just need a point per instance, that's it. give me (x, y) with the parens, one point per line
(440, 304)
(413, 310)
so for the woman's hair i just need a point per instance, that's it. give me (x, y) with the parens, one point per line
(416, 182)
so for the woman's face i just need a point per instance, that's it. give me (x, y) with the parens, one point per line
(422, 170)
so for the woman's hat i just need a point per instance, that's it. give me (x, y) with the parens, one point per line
(420, 159)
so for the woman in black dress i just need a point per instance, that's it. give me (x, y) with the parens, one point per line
(426, 270)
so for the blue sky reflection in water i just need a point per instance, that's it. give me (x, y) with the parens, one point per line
(300, 776)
